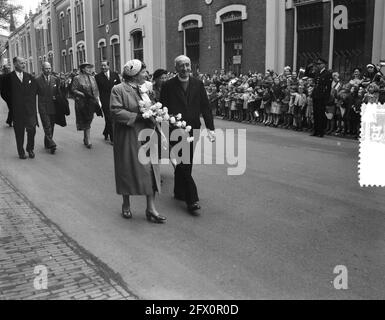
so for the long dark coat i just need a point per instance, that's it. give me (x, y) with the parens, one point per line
(132, 177)
(21, 98)
(85, 107)
(105, 86)
(191, 104)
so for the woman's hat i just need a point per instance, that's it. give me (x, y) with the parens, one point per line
(86, 64)
(371, 65)
(133, 67)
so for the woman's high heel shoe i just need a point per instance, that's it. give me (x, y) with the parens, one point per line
(153, 218)
(127, 214)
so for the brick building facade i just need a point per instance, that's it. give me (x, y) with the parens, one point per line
(106, 33)
(217, 34)
(340, 31)
(242, 35)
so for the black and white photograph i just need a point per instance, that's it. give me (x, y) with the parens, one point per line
(192, 150)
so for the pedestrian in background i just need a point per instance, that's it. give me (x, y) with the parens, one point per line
(20, 89)
(106, 80)
(321, 95)
(159, 77)
(87, 101)
(6, 70)
(48, 88)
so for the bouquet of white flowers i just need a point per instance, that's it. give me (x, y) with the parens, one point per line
(158, 114)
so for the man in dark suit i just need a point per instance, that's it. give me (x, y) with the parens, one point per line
(186, 95)
(321, 95)
(48, 88)
(20, 91)
(6, 70)
(106, 80)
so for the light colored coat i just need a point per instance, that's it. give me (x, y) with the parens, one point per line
(132, 177)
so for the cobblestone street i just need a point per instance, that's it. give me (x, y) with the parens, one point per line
(28, 239)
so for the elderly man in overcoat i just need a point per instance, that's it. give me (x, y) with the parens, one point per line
(186, 95)
(48, 89)
(19, 90)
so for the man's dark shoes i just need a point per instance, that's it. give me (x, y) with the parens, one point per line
(53, 150)
(194, 208)
(314, 134)
(31, 154)
(22, 156)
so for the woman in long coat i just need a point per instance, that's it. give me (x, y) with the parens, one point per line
(132, 177)
(87, 101)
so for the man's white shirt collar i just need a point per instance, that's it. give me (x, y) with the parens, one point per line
(19, 75)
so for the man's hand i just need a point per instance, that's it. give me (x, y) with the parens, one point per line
(211, 136)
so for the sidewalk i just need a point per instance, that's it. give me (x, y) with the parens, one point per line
(29, 240)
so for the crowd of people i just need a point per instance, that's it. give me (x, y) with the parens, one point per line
(286, 100)
(118, 99)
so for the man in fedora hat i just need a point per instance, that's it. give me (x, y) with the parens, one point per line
(321, 95)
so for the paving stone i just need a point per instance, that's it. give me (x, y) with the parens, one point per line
(29, 239)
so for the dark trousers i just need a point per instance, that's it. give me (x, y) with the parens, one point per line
(10, 116)
(108, 130)
(20, 129)
(320, 119)
(184, 184)
(48, 122)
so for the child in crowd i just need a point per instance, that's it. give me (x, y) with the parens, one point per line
(266, 102)
(309, 105)
(286, 100)
(372, 96)
(299, 107)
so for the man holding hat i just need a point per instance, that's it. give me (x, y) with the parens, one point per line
(321, 95)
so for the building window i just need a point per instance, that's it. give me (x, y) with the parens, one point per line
(49, 38)
(50, 58)
(69, 23)
(114, 9)
(231, 18)
(137, 41)
(309, 33)
(71, 55)
(115, 46)
(349, 45)
(62, 28)
(233, 45)
(29, 45)
(81, 54)
(64, 61)
(101, 12)
(191, 42)
(102, 50)
(79, 16)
